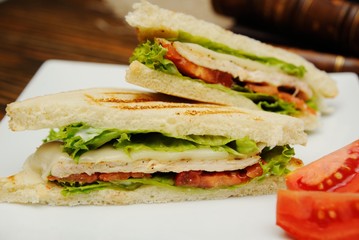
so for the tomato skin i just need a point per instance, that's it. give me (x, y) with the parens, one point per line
(195, 71)
(335, 172)
(318, 215)
(202, 179)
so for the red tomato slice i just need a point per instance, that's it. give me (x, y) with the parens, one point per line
(318, 215)
(335, 172)
(202, 179)
(195, 71)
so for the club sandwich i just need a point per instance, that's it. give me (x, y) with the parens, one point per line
(186, 57)
(120, 146)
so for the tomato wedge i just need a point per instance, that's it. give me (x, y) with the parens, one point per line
(318, 215)
(335, 172)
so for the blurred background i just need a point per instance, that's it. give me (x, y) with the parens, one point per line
(325, 32)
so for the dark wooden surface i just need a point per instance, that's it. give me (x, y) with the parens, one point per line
(32, 32)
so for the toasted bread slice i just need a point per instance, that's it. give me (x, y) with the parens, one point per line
(140, 111)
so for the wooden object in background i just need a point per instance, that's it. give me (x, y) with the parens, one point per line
(328, 62)
(32, 32)
(323, 25)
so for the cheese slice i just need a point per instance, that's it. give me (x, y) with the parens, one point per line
(244, 69)
(50, 159)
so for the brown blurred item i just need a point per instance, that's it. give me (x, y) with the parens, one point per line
(329, 28)
(328, 62)
(325, 25)
(32, 32)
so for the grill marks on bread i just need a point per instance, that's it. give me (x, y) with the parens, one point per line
(130, 100)
(143, 111)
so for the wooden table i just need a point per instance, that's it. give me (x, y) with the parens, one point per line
(32, 32)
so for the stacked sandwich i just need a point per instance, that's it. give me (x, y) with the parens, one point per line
(119, 146)
(186, 57)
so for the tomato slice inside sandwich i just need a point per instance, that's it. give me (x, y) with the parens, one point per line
(318, 215)
(335, 172)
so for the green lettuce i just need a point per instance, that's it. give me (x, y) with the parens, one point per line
(164, 180)
(276, 160)
(288, 68)
(267, 102)
(80, 138)
(153, 56)
(279, 106)
(313, 103)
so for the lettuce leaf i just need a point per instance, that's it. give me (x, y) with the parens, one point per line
(270, 103)
(288, 68)
(153, 56)
(160, 180)
(279, 106)
(75, 189)
(79, 138)
(276, 160)
(313, 103)
(152, 141)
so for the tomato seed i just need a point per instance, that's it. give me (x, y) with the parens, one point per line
(338, 175)
(329, 182)
(336, 180)
(332, 214)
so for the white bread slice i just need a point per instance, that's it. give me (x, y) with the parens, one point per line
(143, 76)
(27, 187)
(152, 21)
(140, 111)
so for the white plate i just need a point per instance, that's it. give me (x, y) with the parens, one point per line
(243, 218)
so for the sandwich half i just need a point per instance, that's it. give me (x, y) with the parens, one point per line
(182, 56)
(116, 146)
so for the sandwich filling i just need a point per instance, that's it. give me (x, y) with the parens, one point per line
(81, 159)
(270, 83)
